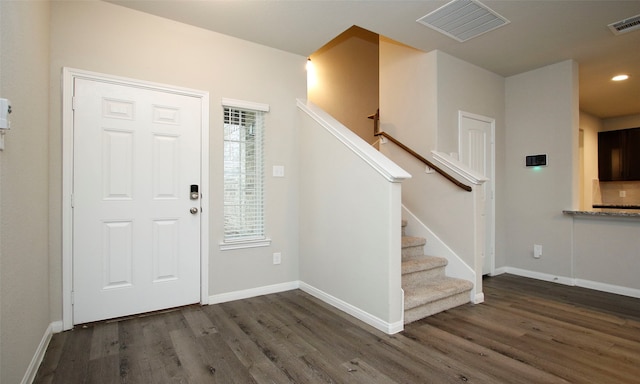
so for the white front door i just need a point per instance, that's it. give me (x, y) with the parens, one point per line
(476, 151)
(136, 239)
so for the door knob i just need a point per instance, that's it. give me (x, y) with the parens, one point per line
(193, 210)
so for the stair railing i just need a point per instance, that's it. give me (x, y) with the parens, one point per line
(378, 132)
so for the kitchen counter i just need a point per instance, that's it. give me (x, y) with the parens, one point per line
(605, 244)
(606, 212)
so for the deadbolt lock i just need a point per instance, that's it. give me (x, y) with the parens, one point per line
(194, 193)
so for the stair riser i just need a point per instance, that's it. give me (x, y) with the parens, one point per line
(418, 278)
(408, 252)
(435, 307)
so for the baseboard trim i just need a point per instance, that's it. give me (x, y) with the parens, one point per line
(388, 328)
(377, 323)
(536, 275)
(625, 291)
(57, 326)
(32, 369)
(595, 285)
(253, 292)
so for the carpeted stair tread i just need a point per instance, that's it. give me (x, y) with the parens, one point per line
(427, 289)
(422, 263)
(412, 241)
(412, 247)
(422, 311)
(435, 290)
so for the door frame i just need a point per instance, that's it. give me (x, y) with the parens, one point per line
(68, 77)
(490, 225)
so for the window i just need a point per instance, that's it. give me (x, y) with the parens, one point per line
(244, 175)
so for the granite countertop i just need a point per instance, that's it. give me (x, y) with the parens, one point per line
(610, 212)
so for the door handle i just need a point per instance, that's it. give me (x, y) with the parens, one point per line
(193, 210)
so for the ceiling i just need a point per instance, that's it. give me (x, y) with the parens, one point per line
(540, 32)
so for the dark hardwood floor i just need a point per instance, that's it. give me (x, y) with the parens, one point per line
(527, 331)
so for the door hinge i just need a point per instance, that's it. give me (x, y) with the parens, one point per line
(73, 297)
(73, 203)
(73, 103)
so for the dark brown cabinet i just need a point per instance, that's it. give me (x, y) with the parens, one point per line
(619, 155)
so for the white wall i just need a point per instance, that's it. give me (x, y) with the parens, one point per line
(589, 126)
(408, 112)
(420, 96)
(346, 85)
(106, 38)
(349, 226)
(606, 253)
(24, 278)
(541, 117)
(465, 87)
(621, 122)
(408, 95)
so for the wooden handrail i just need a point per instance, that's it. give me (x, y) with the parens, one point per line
(377, 132)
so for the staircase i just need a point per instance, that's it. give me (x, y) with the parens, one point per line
(427, 290)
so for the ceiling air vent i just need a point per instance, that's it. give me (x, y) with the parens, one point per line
(626, 25)
(463, 19)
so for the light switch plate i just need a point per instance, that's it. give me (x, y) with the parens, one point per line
(278, 171)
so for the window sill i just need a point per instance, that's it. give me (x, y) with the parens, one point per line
(245, 244)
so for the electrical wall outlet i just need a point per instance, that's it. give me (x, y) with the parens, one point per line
(623, 193)
(537, 251)
(277, 258)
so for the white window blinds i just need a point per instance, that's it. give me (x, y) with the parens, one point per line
(243, 174)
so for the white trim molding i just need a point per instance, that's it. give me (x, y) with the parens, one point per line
(389, 328)
(387, 168)
(377, 323)
(535, 275)
(253, 292)
(457, 167)
(595, 285)
(610, 288)
(38, 356)
(241, 104)
(231, 245)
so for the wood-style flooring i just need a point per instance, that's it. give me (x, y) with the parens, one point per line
(527, 331)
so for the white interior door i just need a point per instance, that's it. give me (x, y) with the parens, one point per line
(136, 239)
(477, 152)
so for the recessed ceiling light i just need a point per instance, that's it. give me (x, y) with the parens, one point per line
(620, 77)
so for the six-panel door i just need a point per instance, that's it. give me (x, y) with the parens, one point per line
(136, 243)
